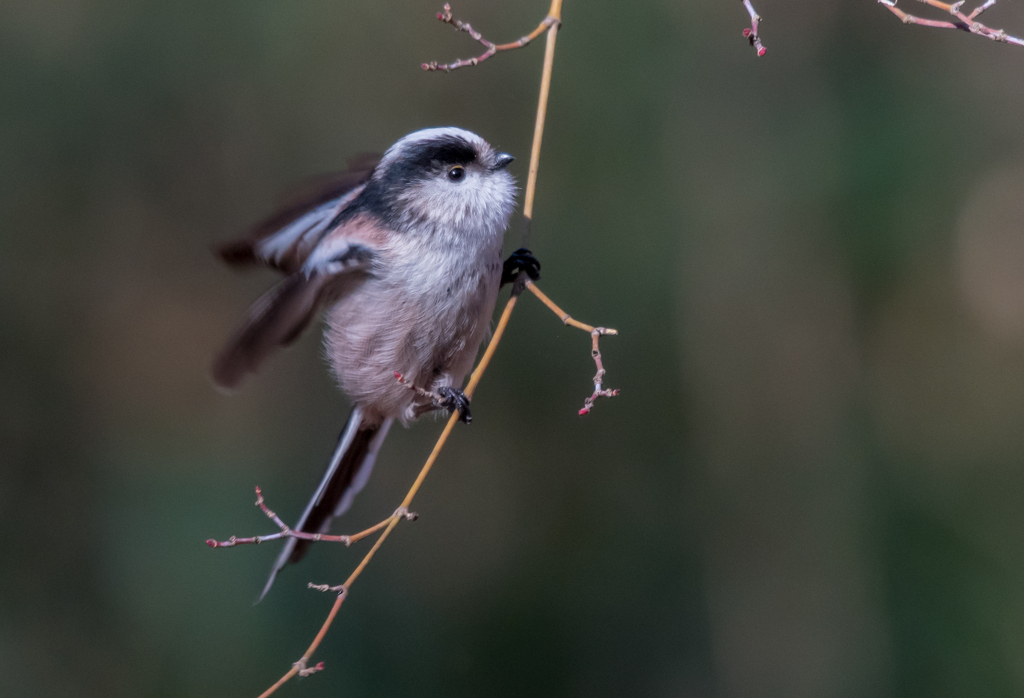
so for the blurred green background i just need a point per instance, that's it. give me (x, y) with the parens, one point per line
(812, 484)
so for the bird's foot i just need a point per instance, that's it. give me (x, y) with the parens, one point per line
(453, 399)
(522, 260)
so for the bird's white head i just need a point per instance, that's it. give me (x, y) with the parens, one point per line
(443, 181)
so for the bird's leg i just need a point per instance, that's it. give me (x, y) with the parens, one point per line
(520, 260)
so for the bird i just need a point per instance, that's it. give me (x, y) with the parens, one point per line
(401, 256)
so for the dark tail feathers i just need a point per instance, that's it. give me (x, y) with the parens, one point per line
(346, 475)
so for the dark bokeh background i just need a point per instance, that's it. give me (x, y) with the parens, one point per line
(812, 485)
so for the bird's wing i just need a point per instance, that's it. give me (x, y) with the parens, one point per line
(284, 240)
(341, 262)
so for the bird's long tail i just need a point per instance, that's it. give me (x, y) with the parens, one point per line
(346, 475)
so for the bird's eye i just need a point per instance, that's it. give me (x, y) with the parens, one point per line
(456, 173)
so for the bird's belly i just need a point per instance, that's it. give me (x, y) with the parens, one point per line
(429, 332)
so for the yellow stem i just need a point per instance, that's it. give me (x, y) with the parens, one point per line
(542, 109)
(564, 316)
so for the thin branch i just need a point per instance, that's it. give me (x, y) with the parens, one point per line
(967, 23)
(288, 532)
(538, 126)
(595, 351)
(750, 33)
(492, 48)
(981, 8)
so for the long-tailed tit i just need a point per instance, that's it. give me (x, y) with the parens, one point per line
(403, 258)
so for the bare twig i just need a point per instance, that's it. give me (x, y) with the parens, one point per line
(538, 125)
(961, 21)
(446, 17)
(750, 33)
(326, 587)
(288, 532)
(303, 671)
(595, 352)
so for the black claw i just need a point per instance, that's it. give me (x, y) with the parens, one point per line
(520, 260)
(453, 399)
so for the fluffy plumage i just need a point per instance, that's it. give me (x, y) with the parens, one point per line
(404, 259)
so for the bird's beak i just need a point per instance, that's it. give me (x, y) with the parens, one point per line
(502, 160)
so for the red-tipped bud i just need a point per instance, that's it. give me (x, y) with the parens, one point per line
(584, 411)
(761, 51)
(424, 66)
(440, 16)
(212, 543)
(398, 375)
(746, 33)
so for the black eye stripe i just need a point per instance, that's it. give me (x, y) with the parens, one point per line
(416, 162)
(447, 150)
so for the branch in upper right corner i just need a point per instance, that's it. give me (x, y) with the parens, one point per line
(961, 21)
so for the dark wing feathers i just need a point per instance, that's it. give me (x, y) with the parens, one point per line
(288, 241)
(275, 320)
(283, 240)
(282, 313)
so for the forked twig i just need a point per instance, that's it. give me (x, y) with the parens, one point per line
(492, 48)
(288, 532)
(967, 23)
(750, 33)
(595, 351)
